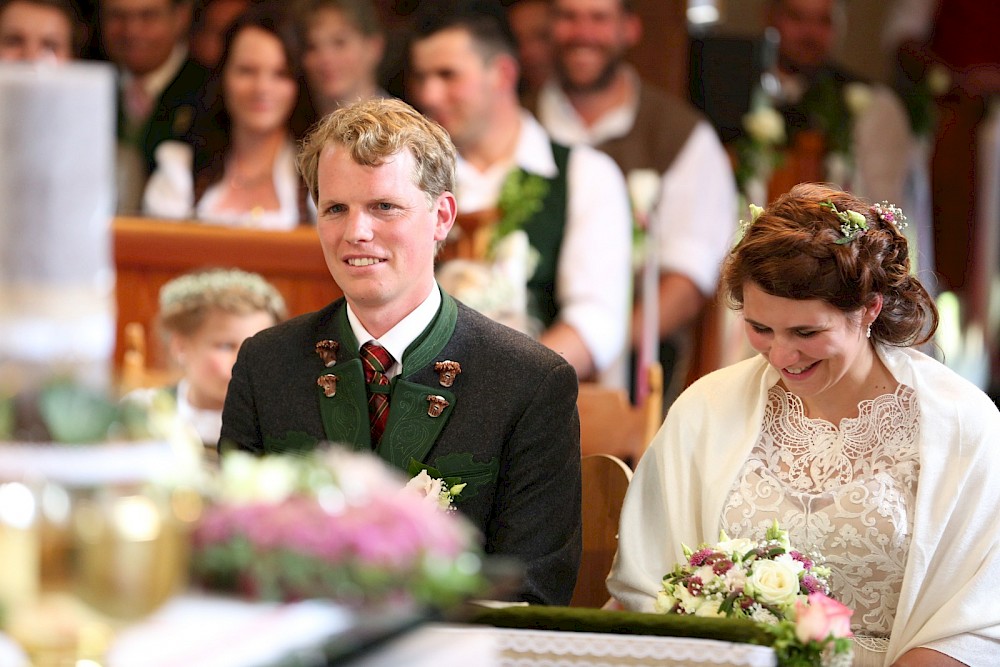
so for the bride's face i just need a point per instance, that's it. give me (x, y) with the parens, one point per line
(258, 85)
(817, 349)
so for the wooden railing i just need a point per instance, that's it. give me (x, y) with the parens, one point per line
(148, 253)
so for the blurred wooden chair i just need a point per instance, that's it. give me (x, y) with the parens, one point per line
(610, 424)
(135, 372)
(605, 481)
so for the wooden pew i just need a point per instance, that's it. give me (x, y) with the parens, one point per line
(150, 252)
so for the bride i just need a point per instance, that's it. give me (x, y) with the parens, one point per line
(864, 449)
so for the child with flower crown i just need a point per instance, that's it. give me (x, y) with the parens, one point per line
(204, 317)
(865, 450)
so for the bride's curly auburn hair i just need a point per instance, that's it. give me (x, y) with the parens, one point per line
(791, 251)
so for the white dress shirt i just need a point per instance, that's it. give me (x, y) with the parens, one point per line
(170, 191)
(593, 277)
(397, 339)
(697, 210)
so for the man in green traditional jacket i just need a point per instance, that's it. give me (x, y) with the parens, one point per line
(467, 397)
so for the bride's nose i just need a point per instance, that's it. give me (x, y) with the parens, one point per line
(782, 353)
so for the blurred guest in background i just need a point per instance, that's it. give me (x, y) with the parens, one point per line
(204, 317)
(865, 127)
(239, 167)
(39, 30)
(208, 28)
(161, 88)
(463, 74)
(343, 43)
(598, 99)
(530, 21)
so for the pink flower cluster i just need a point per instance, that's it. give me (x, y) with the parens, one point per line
(374, 543)
(387, 531)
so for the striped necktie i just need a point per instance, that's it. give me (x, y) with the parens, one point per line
(375, 359)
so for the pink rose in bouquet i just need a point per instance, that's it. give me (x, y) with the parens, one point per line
(821, 618)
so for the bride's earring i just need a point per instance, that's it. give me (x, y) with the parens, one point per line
(868, 333)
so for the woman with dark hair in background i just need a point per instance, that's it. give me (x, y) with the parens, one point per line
(866, 450)
(238, 166)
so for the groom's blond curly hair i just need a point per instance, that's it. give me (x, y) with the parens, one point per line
(375, 130)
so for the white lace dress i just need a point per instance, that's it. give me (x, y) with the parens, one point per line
(847, 492)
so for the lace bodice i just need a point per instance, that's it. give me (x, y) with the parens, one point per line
(846, 491)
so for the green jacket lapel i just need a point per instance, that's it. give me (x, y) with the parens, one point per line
(345, 413)
(411, 430)
(413, 426)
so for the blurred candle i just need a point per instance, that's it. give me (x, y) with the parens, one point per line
(56, 188)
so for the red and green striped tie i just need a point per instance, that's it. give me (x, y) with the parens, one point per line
(375, 359)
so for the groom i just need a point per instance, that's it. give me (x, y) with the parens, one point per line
(401, 368)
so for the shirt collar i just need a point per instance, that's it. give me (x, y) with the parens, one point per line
(565, 125)
(398, 338)
(477, 190)
(156, 81)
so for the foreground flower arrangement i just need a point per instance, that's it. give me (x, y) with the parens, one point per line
(768, 582)
(334, 524)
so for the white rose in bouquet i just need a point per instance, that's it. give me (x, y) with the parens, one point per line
(773, 582)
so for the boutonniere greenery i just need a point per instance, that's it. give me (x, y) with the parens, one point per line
(431, 485)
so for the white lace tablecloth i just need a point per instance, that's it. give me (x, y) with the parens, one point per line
(199, 631)
(436, 644)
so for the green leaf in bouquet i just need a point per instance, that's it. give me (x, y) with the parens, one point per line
(75, 414)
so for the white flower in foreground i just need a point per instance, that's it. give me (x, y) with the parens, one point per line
(795, 566)
(425, 486)
(761, 615)
(773, 582)
(247, 478)
(432, 490)
(690, 603)
(765, 125)
(735, 579)
(665, 602)
(736, 548)
(710, 609)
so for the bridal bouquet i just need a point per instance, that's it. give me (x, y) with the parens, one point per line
(768, 582)
(335, 524)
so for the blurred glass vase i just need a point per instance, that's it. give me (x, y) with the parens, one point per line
(91, 537)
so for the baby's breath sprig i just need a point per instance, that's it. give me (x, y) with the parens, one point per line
(890, 213)
(745, 225)
(852, 223)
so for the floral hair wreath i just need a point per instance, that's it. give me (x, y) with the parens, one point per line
(852, 223)
(197, 285)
